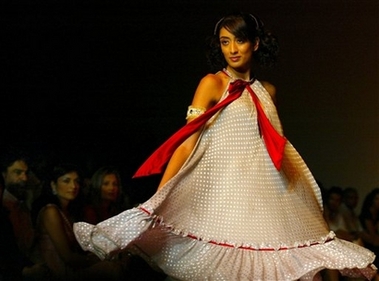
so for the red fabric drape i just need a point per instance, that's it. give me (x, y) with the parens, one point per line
(274, 141)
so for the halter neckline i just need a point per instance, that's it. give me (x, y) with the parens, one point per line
(234, 78)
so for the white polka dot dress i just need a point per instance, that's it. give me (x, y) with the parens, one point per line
(230, 215)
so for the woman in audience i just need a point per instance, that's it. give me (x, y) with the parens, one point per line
(333, 215)
(105, 196)
(55, 212)
(369, 218)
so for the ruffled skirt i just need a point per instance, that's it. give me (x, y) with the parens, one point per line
(228, 214)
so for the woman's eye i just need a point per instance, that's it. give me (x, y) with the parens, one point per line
(224, 42)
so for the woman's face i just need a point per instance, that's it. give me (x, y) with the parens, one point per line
(67, 186)
(110, 188)
(334, 202)
(238, 52)
(351, 200)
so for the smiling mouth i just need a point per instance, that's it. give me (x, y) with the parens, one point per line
(234, 58)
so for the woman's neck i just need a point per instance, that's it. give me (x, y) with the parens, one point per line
(64, 204)
(237, 74)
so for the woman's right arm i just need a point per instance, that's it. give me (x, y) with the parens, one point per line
(207, 94)
(53, 223)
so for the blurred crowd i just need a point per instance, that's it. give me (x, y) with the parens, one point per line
(359, 226)
(40, 203)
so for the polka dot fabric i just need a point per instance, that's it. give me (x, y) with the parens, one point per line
(230, 215)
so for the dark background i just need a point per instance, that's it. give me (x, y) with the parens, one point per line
(105, 82)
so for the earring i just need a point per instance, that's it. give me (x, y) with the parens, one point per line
(54, 191)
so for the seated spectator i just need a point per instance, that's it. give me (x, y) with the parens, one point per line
(105, 196)
(333, 215)
(106, 199)
(369, 218)
(14, 170)
(350, 201)
(10, 256)
(54, 213)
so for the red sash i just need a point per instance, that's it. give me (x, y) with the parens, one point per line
(274, 141)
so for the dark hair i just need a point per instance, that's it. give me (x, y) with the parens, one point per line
(46, 197)
(367, 203)
(94, 195)
(349, 190)
(244, 26)
(11, 155)
(335, 190)
(62, 169)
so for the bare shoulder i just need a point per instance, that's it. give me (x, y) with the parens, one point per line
(209, 90)
(212, 81)
(270, 88)
(51, 213)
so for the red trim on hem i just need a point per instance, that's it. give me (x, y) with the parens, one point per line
(143, 209)
(245, 247)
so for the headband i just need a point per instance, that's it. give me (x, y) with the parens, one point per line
(258, 23)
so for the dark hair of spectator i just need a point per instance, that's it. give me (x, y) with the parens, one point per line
(9, 155)
(367, 204)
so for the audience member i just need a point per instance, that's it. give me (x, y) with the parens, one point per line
(106, 199)
(369, 218)
(54, 213)
(14, 170)
(350, 201)
(10, 257)
(333, 215)
(105, 195)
